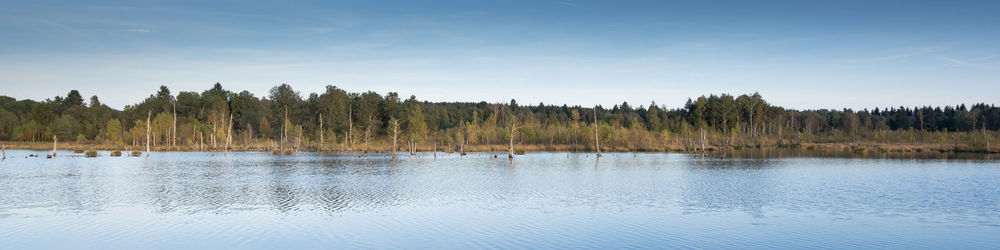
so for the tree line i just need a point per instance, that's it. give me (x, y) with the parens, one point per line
(340, 120)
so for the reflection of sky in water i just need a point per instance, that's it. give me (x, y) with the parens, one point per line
(541, 200)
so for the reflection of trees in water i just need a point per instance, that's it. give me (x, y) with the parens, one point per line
(63, 184)
(729, 184)
(283, 184)
(281, 193)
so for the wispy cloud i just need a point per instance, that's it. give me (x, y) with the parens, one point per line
(269, 66)
(135, 30)
(977, 62)
(567, 3)
(906, 53)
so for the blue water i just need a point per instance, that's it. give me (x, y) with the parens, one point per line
(540, 200)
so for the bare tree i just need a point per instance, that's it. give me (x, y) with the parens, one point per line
(229, 133)
(703, 141)
(284, 132)
(173, 134)
(597, 137)
(321, 132)
(350, 126)
(513, 132)
(395, 136)
(368, 131)
(149, 117)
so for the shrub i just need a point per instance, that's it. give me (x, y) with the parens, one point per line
(116, 153)
(859, 150)
(91, 153)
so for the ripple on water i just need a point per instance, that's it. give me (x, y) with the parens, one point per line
(541, 200)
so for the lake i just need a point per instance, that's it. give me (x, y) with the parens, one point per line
(540, 200)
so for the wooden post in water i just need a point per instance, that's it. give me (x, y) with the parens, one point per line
(54, 140)
(597, 137)
(149, 117)
(3, 148)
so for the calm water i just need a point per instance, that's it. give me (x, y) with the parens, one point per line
(541, 200)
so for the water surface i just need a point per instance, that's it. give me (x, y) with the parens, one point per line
(540, 200)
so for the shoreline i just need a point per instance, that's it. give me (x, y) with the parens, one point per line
(855, 148)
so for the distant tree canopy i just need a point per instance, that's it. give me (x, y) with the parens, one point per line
(347, 116)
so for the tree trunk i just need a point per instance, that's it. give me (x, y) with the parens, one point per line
(510, 150)
(703, 141)
(368, 131)
(149, 117)
(229, 133)
(173, 141)
(298, 139)
(597, 137)
(395, 136)
(350, 127)
(321, 132)
(284, 132)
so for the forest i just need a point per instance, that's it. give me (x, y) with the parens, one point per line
(338, 120)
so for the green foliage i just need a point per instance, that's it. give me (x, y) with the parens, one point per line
(114, 132)
(8, 124)
(42, 114)
(416, 128)
(728, 120)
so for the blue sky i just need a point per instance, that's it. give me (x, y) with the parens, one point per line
(798, 54)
